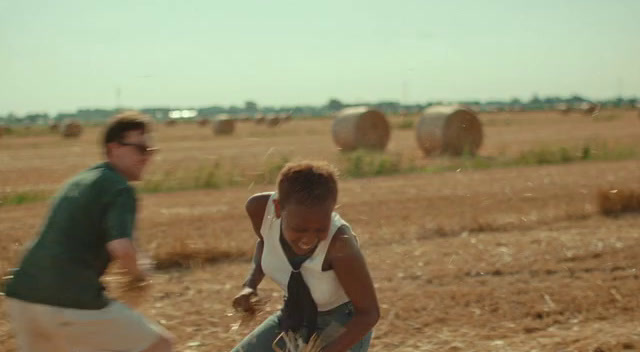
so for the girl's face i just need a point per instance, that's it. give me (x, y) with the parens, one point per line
(304, 227)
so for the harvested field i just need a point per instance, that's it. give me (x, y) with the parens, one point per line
(502, 259)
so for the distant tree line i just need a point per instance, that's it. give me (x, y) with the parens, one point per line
(332, 105)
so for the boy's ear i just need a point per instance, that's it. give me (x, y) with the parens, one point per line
(276, 207)
(109, 147)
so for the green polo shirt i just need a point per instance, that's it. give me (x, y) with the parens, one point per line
(64, 265)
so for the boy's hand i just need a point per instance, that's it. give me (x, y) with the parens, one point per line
(134, 289)
(145, 263)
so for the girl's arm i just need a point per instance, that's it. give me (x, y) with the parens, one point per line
(255, 274)
(348, 263)
(255, 208)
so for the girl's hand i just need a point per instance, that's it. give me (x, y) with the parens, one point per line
(242, 302)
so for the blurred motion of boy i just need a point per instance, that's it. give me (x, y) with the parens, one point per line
(55, 299)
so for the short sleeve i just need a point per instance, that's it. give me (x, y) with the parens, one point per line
(121, 213)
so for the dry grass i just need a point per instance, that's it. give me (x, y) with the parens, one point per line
(44, 162)
(513, 259)
(295, 343)
(181, 253)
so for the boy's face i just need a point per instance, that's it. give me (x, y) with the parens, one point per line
(304, 227)
(131, 155)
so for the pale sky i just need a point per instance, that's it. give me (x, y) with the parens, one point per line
(67, 54)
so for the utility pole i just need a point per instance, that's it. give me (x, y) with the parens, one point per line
(118, 98)
(405, 92)
(619, 87)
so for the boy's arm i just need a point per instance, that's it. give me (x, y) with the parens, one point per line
(124, 251)
(119, 225)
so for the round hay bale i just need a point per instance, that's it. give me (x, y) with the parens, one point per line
(202, 122)
(272, 120)
(223, 124)
(3, 130)
(71, 129)
(451, 130)
(563, 108)
(259, 119)
(360, 127)
(286, 117)
(589, 109)
(54, 126)
(171, 122)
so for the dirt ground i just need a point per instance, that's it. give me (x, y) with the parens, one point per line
(510, 259)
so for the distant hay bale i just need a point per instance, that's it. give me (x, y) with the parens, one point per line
(171, 122)
(272, 120)
(514, 108)
(259, 118)
(588, 108)
(282, 117)
(223, 124)
(3, 130)
(452, 130)
(563, 108)
(360, 127)
(202, 122)
(71, 129)
(54, 126)
(613, 202)
(286, 117)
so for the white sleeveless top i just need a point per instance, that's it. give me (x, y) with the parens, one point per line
(324, 285)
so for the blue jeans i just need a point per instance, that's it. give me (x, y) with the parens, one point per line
(261, 339)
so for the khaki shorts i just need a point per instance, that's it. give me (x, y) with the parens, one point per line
(115, 328)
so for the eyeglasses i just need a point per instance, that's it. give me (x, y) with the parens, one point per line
(141, 148)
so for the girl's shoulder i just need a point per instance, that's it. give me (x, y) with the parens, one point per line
(255, 207)
(344, 242)
(258, 202)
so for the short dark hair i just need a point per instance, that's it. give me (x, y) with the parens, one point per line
(307, 183)
(124, 122)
